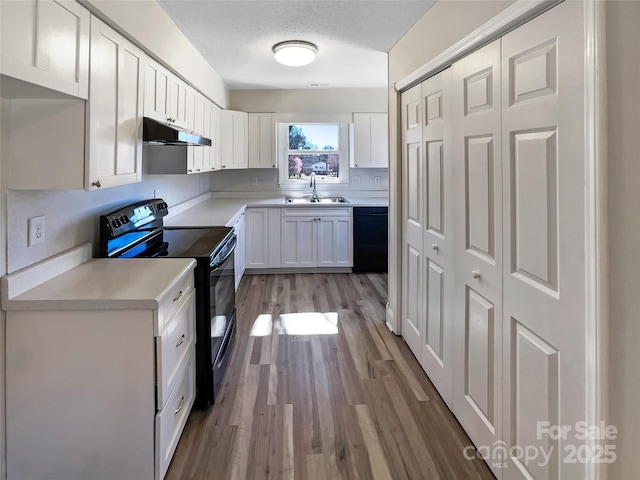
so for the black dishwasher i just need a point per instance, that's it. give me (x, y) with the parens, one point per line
(370, 239)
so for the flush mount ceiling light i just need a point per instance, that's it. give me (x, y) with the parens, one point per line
(295, 53)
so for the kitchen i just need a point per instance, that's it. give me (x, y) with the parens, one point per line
(83, 208)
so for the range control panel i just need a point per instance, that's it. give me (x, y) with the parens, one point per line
(133, 217)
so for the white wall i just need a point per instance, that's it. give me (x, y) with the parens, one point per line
(310, 100)
(623, 67)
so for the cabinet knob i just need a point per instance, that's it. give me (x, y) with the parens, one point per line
(435, 247)
(96, 184)
(189, 171)
(475, 274)
(224, 166)
(197, 169)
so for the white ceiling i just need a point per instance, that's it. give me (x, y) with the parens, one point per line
(353, 38)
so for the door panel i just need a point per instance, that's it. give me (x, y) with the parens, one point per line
(435, 310)
(534, 204)
(544, 337)
(480, 208)
(412, 328)
(477, 389)
(438, 234)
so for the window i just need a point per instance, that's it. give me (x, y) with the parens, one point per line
(320, 148)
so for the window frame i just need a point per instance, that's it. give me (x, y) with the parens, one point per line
(344, 150)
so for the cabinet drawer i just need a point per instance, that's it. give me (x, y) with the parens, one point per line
(171, 419)
(316, 212)
(174, 346)
(174, 299)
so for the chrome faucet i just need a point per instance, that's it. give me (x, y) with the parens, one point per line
(314, 194)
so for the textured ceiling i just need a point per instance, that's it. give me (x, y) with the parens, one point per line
(353, 38)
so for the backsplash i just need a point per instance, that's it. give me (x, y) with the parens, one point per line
(72, 215)
(266, 180)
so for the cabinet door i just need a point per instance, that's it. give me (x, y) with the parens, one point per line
(240, 261)
(214, 131)
(261, 138)
(156, 92)
(46, 42)
(177, 102)
(257, 237)
(299, 242)
(335, 242)
(199, 157)
(234, 151)
(114, 139)
(370, 140)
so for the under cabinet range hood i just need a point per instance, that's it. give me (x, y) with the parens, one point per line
(158, 133)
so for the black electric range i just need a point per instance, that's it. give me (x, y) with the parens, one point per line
(137, 230)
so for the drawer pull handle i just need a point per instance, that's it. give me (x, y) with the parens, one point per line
(180, 406)
(178, 296)
(181, 341)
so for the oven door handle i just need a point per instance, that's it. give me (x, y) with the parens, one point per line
(215, 264)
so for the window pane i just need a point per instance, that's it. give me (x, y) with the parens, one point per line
(324, 165)
(313, 137)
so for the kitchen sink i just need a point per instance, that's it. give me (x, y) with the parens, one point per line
(308, 198)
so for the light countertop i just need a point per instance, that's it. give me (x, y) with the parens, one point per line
(103, 283)
(225, 211)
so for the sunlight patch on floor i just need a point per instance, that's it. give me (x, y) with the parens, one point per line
(304, 323)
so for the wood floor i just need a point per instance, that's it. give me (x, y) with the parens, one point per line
(322, 396)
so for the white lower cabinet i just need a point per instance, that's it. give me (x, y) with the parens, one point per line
(257, 237)
(100, 393)
(316, 237)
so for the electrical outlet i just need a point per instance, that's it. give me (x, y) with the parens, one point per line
(203, 184)
(254, 181)
(376, 180)
(355, 179)
(156, 193)
(37, 230)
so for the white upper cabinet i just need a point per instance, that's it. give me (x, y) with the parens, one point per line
(262, 145)
(233, 139)
(46, 42)
(202, 158)
(370, 140)
(169, 99)
(114, 110)
(214, 135)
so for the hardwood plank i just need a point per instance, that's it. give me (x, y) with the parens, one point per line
(377, 459)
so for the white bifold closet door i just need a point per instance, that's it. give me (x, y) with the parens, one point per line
(412, 219)
(427, 217)
(477, 152)
(544, 337)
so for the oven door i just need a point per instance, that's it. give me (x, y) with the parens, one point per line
(222, 295)
(222, 298)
